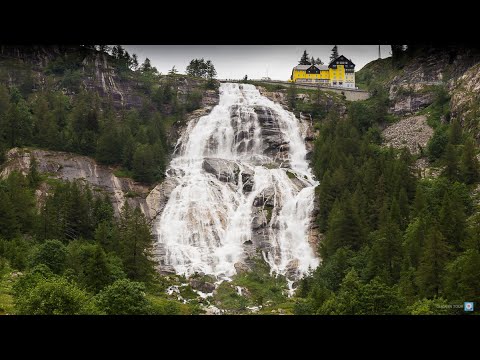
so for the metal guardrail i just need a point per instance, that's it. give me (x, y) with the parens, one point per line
(314, 86)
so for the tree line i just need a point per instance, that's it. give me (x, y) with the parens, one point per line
(307, 60)
(395, 242)
(76, 258)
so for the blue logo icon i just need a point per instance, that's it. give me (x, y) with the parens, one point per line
(468, 306)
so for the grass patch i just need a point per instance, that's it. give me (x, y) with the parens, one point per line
(123, 173)
(6, 293)
(163, 306)
(291, 175)
(269, 210)
(260, 289)
(132, 194)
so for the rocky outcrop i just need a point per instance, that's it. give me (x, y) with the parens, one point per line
(224, 170)
(210, 98)
(465, 100)
(158, 197)
(411, 82)
(274, 143)
(67, 166)
(412, 133)
(99, 73)
(202, 285)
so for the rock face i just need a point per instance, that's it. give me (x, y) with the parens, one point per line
(99, 74)
(414, 87)
(224, 170)
(412, 133)
(275, 145)
(203, 286)
(465, 99)
(66, 166)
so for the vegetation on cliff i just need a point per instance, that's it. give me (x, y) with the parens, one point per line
(394, 241)
(54, 106)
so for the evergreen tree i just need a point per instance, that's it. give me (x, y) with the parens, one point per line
(420, 202)
(143, 164)
(304, 60)
(334, 53)
(397, 53)
(469, 166)
(146, 66)
(430, 274)
(45, 126)
(136, 244)
(456, 135)
(437, 144)
(90, 265)
(318, 61)
(312, 60)
(344, 229)
(452, 220)
(17, 123)
(414, 240)
(473, 233)
(348, 300)
(33, 176)
(463, 276)
(452, 168)
(134, 62)
(377, 298)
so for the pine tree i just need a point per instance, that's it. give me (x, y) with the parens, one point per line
(136, 243)
(404, 208)
(33, 176)
(420, 202)
(344, 228)
(146, 66)
(452, 220)
(348, 300)
(312, 60)
(473, 239)
(17, 123)
(452, 169)
(469, 165)
(304, 60)
(414, 239)
(334, 53)
(456, 135)
(318, 61)
(463, 276)
(430, 273)
(134, 62)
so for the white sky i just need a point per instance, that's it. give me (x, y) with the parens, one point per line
(236, 61)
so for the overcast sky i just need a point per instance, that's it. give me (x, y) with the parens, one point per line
(236, 61)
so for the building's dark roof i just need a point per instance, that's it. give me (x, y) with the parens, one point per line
(341, 58)
(305, 67)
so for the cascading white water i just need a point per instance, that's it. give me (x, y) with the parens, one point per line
(208, 218)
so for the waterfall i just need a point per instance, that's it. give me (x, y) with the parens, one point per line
(243, 181)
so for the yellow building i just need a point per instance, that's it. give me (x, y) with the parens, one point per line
(339, 73)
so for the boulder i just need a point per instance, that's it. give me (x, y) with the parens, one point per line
(247, 179)
(266, 197)
(241, 267)
(224, 170)
(201, 285)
